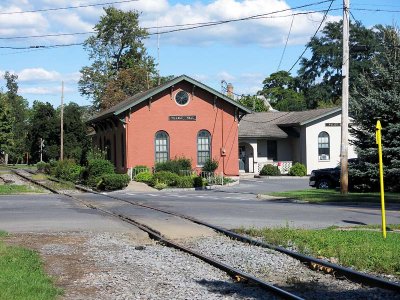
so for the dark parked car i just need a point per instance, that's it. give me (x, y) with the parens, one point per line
(328, 178)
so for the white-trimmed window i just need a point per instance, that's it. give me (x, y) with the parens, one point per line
(203, 147)
(323, 146)
(161, 145)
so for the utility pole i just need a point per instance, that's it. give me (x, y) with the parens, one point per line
(62, 122)
(344, 171)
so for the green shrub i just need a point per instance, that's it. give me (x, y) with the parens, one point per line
(51, 167)
(166, 177)
(66, 169)
(95, 169)
(145, 177)
(185, 182)
(111, 182)
(210, 165)
(298, 169)
(160, 186)
(270, 170)
(174, 165)
(198, 181)
(41, 166)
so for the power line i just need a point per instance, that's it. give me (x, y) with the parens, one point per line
(287, 40)
(203, 24)
(195, 25)
(322, 21)
(46, 35)
(65, 8)
(167, 26)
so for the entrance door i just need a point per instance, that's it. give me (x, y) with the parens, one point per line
(242, 158)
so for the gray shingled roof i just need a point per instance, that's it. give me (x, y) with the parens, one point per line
(273, 124)
(142, 96)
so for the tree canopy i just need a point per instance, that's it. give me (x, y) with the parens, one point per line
(118, 54)
(281, 91)
(376, 96)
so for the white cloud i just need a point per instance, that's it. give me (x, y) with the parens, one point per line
(223, 75)
(40, 90)
(35, 75)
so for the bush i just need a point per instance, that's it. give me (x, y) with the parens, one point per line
(66, 169)
(174, 165)
(166, 177)
(198, 182)
(298, 169)
(185, 182)
(270, 170)
(210, 165)
(145, 177)
(160, 186)
(111, 182)
(41, 166)
(95, 169)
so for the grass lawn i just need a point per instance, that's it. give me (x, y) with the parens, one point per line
(357, 247)
(320, 196)
(22, 275)
(8, 189)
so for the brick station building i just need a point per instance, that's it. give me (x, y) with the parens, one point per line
(181, 118)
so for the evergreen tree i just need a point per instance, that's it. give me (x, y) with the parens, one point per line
(6, 134)
(376, 96)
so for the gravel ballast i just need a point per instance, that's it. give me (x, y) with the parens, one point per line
(91, 265)
(284, 271)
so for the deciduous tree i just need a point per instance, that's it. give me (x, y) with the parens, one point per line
(117, 52)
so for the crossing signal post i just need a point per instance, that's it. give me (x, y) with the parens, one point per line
(379, 142)
(41, 149)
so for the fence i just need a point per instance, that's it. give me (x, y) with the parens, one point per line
(283, 166)
(134, 171)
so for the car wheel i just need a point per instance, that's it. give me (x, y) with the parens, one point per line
(324, 184)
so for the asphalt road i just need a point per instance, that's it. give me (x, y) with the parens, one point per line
(230, 207)
(54, 213)
(237, 206)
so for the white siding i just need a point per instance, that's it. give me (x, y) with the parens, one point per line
(311, 137)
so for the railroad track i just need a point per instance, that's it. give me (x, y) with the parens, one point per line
(315, 263)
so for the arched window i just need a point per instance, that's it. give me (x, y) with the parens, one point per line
(323, 146)
(203, 147)
(161, 146)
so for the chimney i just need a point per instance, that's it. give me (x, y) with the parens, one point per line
(229, 90)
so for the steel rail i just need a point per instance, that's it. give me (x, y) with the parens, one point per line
(350, 274)
(233, 272)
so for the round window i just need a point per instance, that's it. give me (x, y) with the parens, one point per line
(182, 98)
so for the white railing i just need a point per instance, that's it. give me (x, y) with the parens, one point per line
(134, 171)
(283, 166)
(212, 178)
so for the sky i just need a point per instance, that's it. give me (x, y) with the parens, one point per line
(243, 53)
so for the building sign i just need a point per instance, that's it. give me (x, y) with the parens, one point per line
(182, 118)
(332, 124)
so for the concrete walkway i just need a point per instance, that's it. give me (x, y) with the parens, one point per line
(135, 186)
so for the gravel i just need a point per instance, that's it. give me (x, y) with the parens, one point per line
(122, 268)
(284, 271)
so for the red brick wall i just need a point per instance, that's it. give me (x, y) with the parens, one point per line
(146, 120)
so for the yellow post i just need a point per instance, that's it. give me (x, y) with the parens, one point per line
(379, 142)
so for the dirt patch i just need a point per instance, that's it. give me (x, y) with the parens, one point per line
(67, 258)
